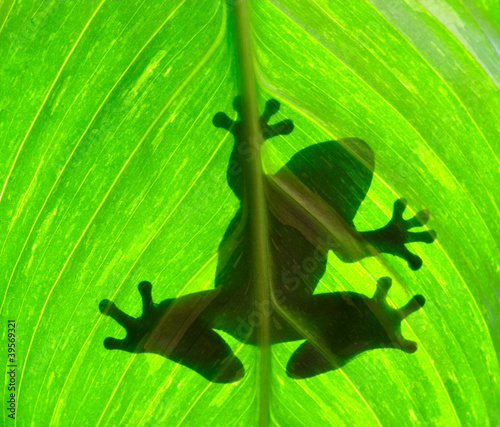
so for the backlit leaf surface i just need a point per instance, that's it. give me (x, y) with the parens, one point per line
(113, 173)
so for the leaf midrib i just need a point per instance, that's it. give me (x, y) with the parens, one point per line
(255, 200)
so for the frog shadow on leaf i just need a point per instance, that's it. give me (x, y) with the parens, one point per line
(311, 204)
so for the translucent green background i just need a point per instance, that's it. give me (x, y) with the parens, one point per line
(112, 173)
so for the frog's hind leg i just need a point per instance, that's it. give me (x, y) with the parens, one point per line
(170, 330)
(307, 361)
(351, 324)
(191, 343)
(205, 351)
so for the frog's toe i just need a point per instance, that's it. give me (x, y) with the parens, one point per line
(398, 209)
(423, 236)
(282, 128)
(103, 306)
(383, 286)
(414, 261)
(221, 120)
(272, 107)
(416, 303)
(145, 289)
(109, 308)
(407, 346)
(111, 343)
(419, 219)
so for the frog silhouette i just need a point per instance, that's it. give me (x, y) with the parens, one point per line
(311, 203)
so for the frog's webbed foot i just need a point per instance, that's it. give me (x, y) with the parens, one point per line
(390, 319)
(395, 235)
(221, 120)
(136, 329)
(373, 324)
(281, 128)
(197, 346)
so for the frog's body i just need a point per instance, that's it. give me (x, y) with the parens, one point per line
(298, 264)
(330, 181)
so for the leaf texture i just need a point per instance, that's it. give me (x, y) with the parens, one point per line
(113, 173)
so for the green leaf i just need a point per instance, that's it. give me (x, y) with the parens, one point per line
(113, 173)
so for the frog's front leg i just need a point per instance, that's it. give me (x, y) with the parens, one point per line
(392, 238)
(172, 329)
(221, 120)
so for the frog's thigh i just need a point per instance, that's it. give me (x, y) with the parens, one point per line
(307, 361)
(206, 352)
